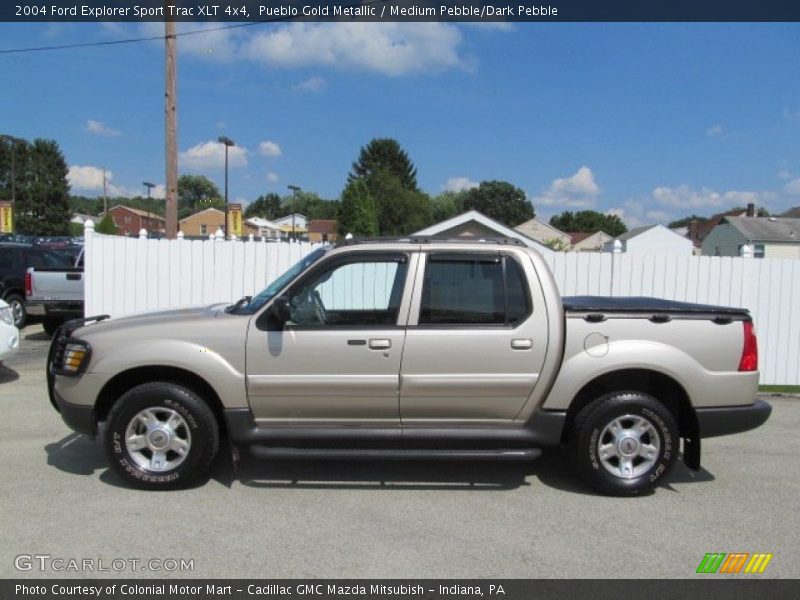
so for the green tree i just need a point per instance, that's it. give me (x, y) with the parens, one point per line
(310, 205)
(357, 214)
(106, 225)
(588, 221)
(196, 192)
(42, 191)
(447, 205)
(85, 205)
(684, 222)
(501, 201)
(385, 155)
(266, 207)
(400, 210)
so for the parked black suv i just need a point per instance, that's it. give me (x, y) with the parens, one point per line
(14, 262)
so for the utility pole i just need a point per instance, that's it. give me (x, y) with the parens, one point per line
(227, 142)
(105, 193)
(294, 189)
(171, 118)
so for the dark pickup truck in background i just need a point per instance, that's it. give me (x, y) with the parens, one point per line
(56, 292)
(15, 259)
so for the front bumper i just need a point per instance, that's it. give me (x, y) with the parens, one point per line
(725, 420)
(78, 417)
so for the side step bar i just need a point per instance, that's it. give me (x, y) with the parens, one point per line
(272, 452)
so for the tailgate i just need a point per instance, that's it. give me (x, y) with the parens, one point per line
(63, 284)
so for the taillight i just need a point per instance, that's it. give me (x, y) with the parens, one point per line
(749, 361)
(28, 284)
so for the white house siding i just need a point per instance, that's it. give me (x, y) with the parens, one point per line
(776, 250)
(659, 240)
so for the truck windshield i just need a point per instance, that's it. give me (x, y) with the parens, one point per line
(276, 286)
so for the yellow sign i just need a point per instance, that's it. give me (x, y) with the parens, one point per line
(6, 217)
(235, 219)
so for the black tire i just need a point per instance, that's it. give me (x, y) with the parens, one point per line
(17, 304)
(199, 427)
(51, 325)
(593, 427)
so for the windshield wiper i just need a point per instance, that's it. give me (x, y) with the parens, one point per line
(238, 304)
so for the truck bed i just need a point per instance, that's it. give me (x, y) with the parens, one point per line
(649, 306)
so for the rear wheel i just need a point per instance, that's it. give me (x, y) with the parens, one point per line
(17, 305)
(624, 443)
(161, 436)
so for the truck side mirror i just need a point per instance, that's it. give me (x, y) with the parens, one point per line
(281, 310)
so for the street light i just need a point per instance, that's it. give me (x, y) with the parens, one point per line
(227, 142)
(148, 186)
(295, 189)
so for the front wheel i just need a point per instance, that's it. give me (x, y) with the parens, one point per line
(624, 443)
(161, 436)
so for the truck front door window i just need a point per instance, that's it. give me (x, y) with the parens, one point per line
(357, 293)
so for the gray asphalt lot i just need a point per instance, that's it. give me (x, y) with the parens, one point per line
(371, 519)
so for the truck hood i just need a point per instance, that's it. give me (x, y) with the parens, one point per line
(163, 321)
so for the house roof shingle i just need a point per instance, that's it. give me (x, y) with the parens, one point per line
(137, 211)
(767, 229)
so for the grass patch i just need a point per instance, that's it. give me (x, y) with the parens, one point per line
(780, 389)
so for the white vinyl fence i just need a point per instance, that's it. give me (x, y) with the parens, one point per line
(129, 275)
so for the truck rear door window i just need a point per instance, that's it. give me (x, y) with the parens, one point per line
(473, 289)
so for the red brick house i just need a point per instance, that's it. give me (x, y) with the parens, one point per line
(129, 221)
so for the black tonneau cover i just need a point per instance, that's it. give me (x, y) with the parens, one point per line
(643, 304)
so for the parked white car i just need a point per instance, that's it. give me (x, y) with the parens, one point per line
(9, 335)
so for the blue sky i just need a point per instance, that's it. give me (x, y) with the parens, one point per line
(649, 121)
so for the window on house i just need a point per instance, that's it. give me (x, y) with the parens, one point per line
(758, 251)
(127, 220)
(473, 289)
(203, 229)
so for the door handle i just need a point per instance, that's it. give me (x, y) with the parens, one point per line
(380, 344)
(522, 344)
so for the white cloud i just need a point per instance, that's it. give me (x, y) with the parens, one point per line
(459, 184)
(684, 197)
(388, 48)
(312, 84)
(268, 148)
(791, 114)
(211, 155)
(86, 177)
(90, 179)
(716, 131)
(792, 187)
(636, 214)
(785, 174)
(576, 191)
(272, 177)
(98, 128)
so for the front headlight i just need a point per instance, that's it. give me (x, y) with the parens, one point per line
(6, 316)
(70, 357)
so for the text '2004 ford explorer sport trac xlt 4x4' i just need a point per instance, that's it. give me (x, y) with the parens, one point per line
(416, 348)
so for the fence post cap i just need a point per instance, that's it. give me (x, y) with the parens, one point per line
(219, 235)
(143, 234)
(181, 235)
(88, 224)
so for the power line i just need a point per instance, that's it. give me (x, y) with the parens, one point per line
(131, 40)
(161, 37)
